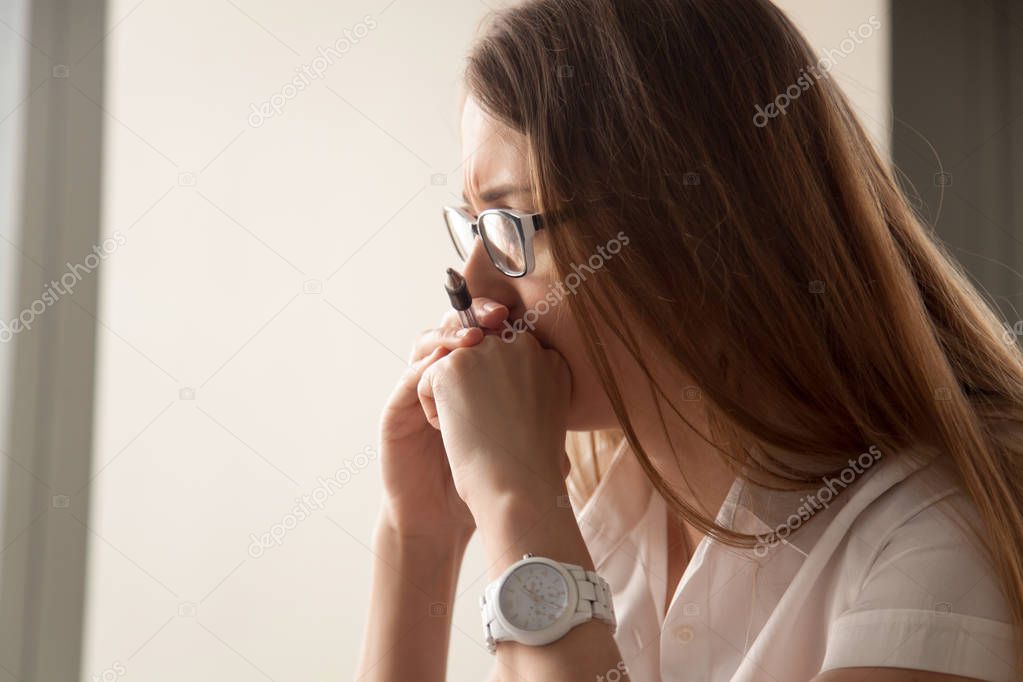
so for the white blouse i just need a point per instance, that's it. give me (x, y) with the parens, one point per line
(882, 576)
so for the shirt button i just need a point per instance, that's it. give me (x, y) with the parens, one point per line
(684, 634)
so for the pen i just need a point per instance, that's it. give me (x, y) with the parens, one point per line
(458, 292)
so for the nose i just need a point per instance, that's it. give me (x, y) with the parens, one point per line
(478, 266)
(485, 280)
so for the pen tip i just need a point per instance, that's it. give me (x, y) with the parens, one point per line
(458, 290)
(454, 280)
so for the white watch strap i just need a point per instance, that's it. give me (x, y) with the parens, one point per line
(594, 596)
(594, 603)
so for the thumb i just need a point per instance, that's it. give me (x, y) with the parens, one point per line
(424, 390)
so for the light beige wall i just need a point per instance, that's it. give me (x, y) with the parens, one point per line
(243, 351)
(864, 74)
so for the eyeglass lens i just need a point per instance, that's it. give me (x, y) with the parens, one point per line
(500, 233)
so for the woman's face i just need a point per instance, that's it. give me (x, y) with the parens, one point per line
(496, 175)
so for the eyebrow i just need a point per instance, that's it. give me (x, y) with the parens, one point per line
(499, 192)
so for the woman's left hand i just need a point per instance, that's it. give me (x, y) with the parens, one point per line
(501, 408)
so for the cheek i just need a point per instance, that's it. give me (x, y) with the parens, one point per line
(542, 257)
(543, 303)
(548, 314)
(539, 307)
(590, 409)
(546, 311)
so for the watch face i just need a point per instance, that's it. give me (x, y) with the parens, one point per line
(534, 596)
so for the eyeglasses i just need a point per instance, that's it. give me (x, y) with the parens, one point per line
(507, 236)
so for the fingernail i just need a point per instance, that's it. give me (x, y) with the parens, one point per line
(490, 307)
(462, 332)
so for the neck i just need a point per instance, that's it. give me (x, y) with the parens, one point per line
(692, 467)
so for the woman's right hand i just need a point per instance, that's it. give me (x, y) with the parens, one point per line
(419, 495)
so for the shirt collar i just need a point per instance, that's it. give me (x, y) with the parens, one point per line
(623, 495)
(616, 506)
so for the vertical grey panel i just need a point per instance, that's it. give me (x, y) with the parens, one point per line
(49, 417)
(956, 86)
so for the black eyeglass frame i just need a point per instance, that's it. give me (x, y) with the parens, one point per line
(526, 226)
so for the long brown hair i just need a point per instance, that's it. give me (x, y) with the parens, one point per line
(772, 255)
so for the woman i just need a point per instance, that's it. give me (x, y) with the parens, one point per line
(802, 419)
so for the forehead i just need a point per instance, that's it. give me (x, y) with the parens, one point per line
(494, 153)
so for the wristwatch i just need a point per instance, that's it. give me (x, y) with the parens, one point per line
(537, 601)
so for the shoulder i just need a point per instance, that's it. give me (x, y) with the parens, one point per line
(919, 586)
(922, 544)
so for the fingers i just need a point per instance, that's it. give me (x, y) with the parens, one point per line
(404, 394)
(448, 338)
(489, 313)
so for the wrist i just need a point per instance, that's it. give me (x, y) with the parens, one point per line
(441, 537)
(514, 525)
(426, 567)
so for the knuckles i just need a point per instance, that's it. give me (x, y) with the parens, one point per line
(491, 352)
(458, 361)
